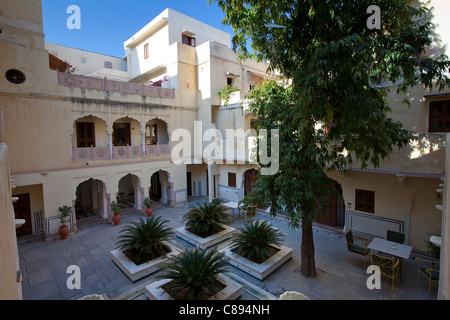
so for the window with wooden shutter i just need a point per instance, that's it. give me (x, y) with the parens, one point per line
(365, 201)
(85, 134)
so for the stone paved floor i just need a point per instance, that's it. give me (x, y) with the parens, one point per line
(44, 264)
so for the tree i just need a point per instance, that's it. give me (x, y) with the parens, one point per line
(336, 67)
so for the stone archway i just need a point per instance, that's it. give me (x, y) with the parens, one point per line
(160, 188)
(90, 201)
(129, 195)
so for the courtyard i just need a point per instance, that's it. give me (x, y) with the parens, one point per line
(44, 264)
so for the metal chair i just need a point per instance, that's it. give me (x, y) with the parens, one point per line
(395, 236)
(247, 212)
(389, 267)
(354, 248)
(430, 271)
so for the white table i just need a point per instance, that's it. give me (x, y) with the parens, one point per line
(389, 247)
(233, 205)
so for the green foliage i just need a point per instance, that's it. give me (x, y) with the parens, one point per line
(255, 240)
(143, 240)
(204, 219)
(65, 212)
(115, 207)
(226, 91)
(433, 249)
(147, 202)
(194, 271)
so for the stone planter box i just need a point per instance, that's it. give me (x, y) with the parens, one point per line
(137, 272)
(258, 271)
(232, 291)
(208, 242)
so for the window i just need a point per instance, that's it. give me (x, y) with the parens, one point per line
(439, 116)
(146, 51)
(365, 201)
(83, 60)
(232, 179)
(190, 41)
(85, 134)
(229, 81)
(121, 135)
(108, 65)
(151, 134)
(254, 124)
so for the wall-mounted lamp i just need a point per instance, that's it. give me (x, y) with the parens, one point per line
(349, 205)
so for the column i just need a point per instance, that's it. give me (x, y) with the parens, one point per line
(108, 207)
(143, 144)
(172, 198)
(110, 146)
(210, 183)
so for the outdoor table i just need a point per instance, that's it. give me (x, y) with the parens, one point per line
(393, 248)
(233, 205)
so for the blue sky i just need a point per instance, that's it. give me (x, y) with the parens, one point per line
(105, 25)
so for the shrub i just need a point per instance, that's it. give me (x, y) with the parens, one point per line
(255, 241)
(194, 274)
(204, 219)
(143, 241)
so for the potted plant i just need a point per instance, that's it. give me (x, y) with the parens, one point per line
(204, 225)
(115, 207)
(144, 240)
(64, 229)
(148, 204)
(256, 241)
(225, 93)
(205, 218)
(256, 249)
(143, 247)
(195, 275)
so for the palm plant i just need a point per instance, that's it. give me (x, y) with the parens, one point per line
(204, 219)
(255, 240)
(194, 274)
(143, 241)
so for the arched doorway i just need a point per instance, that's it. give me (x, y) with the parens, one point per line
(249, 181)
(160, 187)
(333, 214)
(90, 200)
(128, 195)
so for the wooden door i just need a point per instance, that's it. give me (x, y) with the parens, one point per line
(333, 214)
(249, 181)
(22, 210)
(121, 134)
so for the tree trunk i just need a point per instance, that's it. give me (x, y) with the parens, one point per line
(308, 265)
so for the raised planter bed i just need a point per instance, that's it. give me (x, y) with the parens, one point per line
(136, 272)
(262, 270)
(208, 242)
(232, 291)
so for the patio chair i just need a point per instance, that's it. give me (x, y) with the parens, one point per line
(395, 236)
(430, 269)
(354, 248)
(247, 212)
(389, 267)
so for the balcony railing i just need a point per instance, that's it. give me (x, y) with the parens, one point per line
(236, 99)
(119, 152)
(79, 81)
(87, 154)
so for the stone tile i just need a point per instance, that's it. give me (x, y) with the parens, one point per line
(44, 290)
(39, 276)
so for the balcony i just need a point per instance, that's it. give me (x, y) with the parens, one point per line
(237, 99)
(79, 81)
(121, 152)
